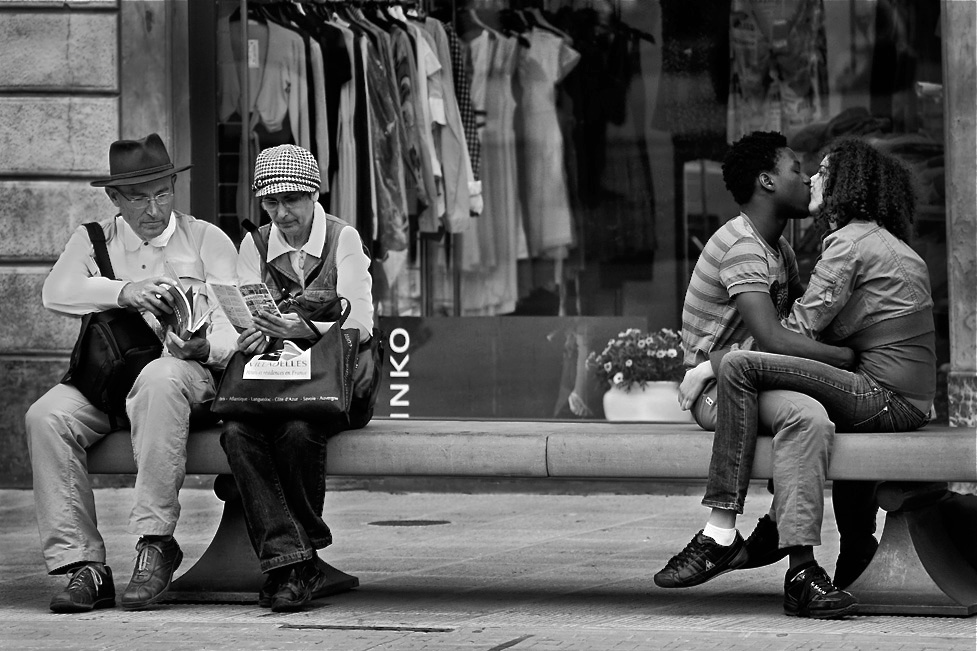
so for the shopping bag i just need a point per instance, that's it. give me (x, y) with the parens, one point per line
(311, 382)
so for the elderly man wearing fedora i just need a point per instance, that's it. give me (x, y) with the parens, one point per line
(149, 246)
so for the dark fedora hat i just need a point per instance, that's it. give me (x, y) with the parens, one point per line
(138, 161)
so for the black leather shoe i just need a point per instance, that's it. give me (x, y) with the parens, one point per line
(272, 584)
(88, 588)
(701, 560)
(853, 560)
(297, 589)
(763, 545)
(809, 593)
(155, 564)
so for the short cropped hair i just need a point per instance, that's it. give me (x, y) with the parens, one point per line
(747, 158)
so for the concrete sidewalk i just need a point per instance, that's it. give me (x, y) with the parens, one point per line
(460, 571)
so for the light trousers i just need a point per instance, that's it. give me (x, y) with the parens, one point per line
(803, 438)
(63, 424)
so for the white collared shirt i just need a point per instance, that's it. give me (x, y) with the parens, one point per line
(195, 252)
(279, 246)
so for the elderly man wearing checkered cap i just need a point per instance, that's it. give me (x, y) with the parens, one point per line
(279, 466)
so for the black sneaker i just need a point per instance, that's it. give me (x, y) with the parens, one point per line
(763, 545)
(88, 588)
(809, 593)
(296, 590)
(853, 560)
(155, 565)
(701, 560)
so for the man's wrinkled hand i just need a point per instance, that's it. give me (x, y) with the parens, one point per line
(150, 295)
(195, 349)
(693, 383)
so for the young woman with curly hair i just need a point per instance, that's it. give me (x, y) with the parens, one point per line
(870, 292)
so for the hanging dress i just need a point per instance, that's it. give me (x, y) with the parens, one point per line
(549, 223)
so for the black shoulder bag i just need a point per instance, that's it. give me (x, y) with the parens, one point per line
(112, 348)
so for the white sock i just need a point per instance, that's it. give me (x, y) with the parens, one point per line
(724, 537)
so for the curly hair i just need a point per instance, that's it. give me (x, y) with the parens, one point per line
(747, 158)
(867, 184)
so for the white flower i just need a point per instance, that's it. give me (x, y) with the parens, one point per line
(672, 352)
(660, 354)
(641, 343)
(608, 366)
(629, 363)
(619, 378)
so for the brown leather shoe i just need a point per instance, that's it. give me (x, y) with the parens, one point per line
(89, 587)
(155, 565)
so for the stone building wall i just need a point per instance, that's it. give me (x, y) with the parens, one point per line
(75, 75)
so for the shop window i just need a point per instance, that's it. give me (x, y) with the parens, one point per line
(570, 171)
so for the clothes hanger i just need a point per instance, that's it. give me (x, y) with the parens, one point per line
(514, 24)
(545, 24)
(255, 13)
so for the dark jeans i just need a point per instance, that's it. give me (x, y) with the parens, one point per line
(280, 471)
(853, 401)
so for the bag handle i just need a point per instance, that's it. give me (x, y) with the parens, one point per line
(340, 322)
(97, 236)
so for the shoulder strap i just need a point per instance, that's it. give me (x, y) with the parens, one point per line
(262, 248)
(97, 236)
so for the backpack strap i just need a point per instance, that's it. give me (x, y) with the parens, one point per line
(97, 236)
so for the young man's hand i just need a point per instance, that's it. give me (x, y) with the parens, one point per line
(695, 380)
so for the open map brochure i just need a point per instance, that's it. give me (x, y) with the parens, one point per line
(241, 303)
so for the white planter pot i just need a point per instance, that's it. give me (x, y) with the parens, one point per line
(650, 401)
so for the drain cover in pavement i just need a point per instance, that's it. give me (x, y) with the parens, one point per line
(408, 523)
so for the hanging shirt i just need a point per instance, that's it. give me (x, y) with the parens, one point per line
(462, 192)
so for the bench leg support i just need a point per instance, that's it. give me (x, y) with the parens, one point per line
(917, 570)
(228, 570)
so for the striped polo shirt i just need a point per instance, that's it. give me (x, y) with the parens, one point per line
(735, 260)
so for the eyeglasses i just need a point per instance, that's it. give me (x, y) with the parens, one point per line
(291, 203)
(142, 203)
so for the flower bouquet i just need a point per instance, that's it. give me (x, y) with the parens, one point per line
(635, 357)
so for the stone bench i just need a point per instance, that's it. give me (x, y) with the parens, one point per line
(915, 571)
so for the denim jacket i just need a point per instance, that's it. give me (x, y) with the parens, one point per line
(865, 276)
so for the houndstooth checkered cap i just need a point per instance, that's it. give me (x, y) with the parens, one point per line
(285, 168)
